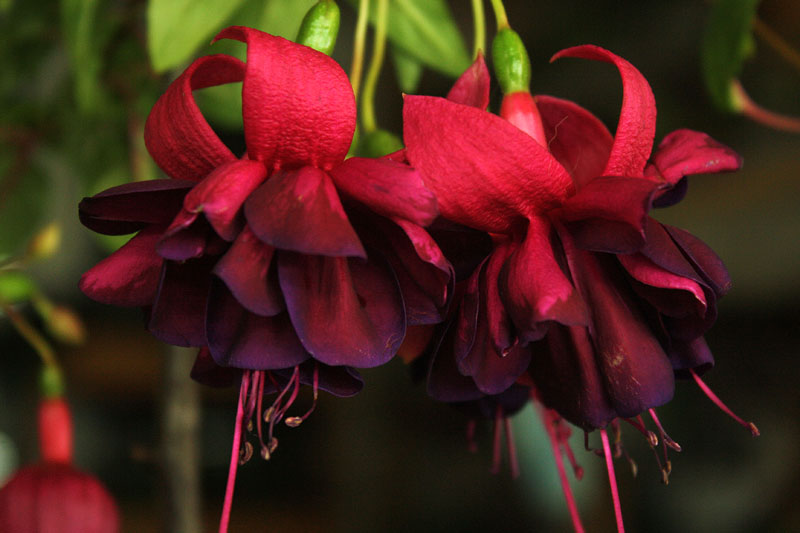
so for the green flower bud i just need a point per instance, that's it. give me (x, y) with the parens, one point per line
(320, 27)
(512, 67)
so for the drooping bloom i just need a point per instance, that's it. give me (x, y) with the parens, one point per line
(53, 496)
(584, 297)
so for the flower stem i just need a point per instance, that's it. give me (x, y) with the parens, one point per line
(778, 43)
(500, 14)
(768, 118)
(357, 64)
(31, 335)
(479, 26)
(371, 79)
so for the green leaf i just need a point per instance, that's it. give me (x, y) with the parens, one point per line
(426, 31)
(223, 104)
(728, 42)
(85, 39)
(407, 69)
(16, 286)
(177, 28)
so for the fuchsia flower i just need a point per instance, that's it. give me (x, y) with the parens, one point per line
(584, 298)
(290, 262)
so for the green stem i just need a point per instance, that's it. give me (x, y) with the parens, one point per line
(479, 25)
(371, 80)
(29, 333)
(500, 14)
(358, 46)
(778, 43)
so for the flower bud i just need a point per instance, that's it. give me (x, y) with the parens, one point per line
(512, 67)
(320, 27)
(45, 243)
(55, 430)
(66, 326)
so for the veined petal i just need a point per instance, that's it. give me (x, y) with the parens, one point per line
(608, 214)
(300, 210)
(220, 195)
(129, 276)
(132, 206)
(575, 137)
(345, 312)
(388, 188)
(633, 139)
(177, 136)
(178, 315)
(298, 105)
(534, 287)
(685, 152)
(472, 87)
(241, 339)
(485, 172)
(245, 269)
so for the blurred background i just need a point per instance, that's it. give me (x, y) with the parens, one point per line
(76, 86)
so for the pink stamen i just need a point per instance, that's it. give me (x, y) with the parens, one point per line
(714, 398)
(295, 421)
(237, 435)
(612, 480)
(664, 437)
(512, 450)
(562, 473)
(638, 423)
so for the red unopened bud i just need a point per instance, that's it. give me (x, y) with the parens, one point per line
(55, 430)
(520, 109)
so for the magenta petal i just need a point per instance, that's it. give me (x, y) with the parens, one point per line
(534, 287)
(633, 139)
(345, 312)
(129, 276)
(484, 171)
(245, 269)
(578, 139)
(297, 103)
(130, 207)
(472, 87)
(300, 210)
(608, 214)
(388, 188)
(185, 238)
(177, 136)
(241, 339)
(221, 194)
(685, 152)
(178, 315)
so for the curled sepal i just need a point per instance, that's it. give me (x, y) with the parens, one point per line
(472, 87)
(297, 103)
(177, 136)
(633, 139)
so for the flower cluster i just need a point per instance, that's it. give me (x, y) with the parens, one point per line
(520, 245)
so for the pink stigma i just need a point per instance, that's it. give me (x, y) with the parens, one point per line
(612, 480)
(714, 398)
(237, 435)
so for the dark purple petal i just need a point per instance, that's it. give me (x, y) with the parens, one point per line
(132, 206)
(300, 210)
(502, 334)
(535, 288)
(207, 372)
(608, 214)
(466, 319)
(391, 189)
(445, 383)
(509, 402)
(176, 134)
(221, 194)
(580, 142)
(692, 355)
(472, 87)
(345, 312)
(341, 381)
(246, 270)
(185, 238)
(564, 369)
(298, 105)
(703, 259)
(241, 339)
(129, 276)
(178, 315)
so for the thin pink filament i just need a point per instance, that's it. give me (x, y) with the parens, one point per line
(714, 398)
(237, 435)
(612, 480)
(562, 473)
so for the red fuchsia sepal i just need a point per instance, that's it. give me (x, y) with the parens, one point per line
(472, 87)
(55, 430)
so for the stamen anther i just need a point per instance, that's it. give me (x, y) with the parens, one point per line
(714, 398)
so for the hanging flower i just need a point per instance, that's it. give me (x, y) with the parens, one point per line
(53, 496)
